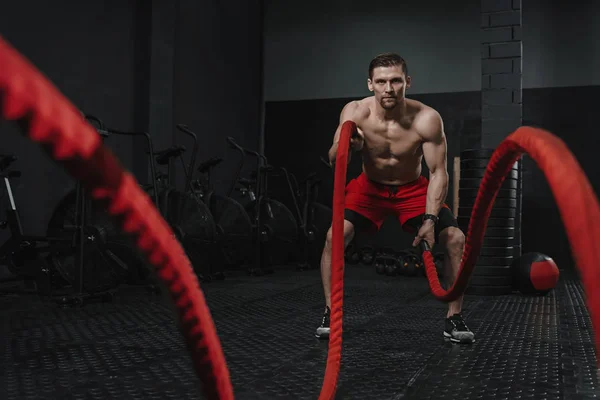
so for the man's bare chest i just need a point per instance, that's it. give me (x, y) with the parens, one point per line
(391, 140)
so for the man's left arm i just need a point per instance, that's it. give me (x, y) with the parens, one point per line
(431, 128)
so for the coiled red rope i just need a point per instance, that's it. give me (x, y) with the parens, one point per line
(52, 121)
(573, 193)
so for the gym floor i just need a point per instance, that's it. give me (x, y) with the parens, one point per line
(527, 347)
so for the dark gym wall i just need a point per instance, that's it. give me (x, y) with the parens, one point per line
(321, 50)
(317, 63)
(560, 43)
(138, 65)
(561, 78)
(218, 79)
(87, 50)
(316, 49)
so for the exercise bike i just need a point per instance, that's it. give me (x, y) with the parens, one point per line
(25, 256)
(189, 218)
(102, 257)
(316, 220)
(275, 230)
(40, 259)
(234, 226)
(313, 219)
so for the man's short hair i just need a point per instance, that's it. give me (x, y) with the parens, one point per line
(387, 60)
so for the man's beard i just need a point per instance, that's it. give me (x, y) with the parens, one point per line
(388, 103)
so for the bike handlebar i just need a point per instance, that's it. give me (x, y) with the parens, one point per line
(10, 174)
(184, 128)
(106, 132)
(245, 150)
(101, 127)
(324, 161)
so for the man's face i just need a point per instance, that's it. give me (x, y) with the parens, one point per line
(389, 85)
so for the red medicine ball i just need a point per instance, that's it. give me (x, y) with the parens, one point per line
(535, 273)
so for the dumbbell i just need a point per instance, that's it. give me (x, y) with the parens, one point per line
(367, 255)
(379, 266)
(411, 263)
(386, 264)
(351, 254)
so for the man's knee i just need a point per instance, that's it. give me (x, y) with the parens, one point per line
(348, 233)
(452, 238)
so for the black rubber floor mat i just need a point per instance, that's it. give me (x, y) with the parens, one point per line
(527, 347)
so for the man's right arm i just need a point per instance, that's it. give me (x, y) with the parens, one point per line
(349, 113)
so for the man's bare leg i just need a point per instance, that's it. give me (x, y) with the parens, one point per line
(323, 329)
(453, 240)
(326, 259)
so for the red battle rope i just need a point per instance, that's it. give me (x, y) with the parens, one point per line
(334, 355)
(574, 195)
(51, 120)
(576, 201)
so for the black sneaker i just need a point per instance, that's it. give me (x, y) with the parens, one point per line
(457, 331)
(323, 330)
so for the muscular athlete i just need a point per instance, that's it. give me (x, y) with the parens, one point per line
(394, 135)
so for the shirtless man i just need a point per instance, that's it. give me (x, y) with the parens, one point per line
(394, 135)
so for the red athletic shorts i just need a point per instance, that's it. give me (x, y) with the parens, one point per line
(376, 201)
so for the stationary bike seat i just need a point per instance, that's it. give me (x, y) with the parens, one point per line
(205, 166)
(247, 183)
(6, 160)
(163, 156)
(310, 177)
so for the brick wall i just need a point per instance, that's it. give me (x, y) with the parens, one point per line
(501, 80)
(501, 66)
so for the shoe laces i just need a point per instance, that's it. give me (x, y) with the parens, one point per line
(458, 322)
(326, 315)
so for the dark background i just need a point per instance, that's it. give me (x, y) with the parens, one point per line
(147, 65)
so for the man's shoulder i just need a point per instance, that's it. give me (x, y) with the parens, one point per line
(359, 108)
(425, 113)
(422, 109)
(427, 120)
